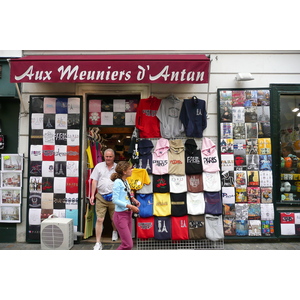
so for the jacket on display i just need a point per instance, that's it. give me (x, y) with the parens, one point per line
(209, 156)
(193, 162)
(176, 158)
(146, 120)
(160, 164)
(168, 115)
(145, 155)
(193, 117)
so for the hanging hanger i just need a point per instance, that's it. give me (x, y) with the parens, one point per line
(173, 97)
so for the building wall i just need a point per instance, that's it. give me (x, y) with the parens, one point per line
(266, 67)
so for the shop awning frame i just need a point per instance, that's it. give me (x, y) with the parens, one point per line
(182, 69)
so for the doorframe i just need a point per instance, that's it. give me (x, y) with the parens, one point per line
(101, 89)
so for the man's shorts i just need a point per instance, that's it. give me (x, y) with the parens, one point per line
(102, 206)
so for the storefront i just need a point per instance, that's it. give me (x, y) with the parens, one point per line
(9, 123)
(76, 101)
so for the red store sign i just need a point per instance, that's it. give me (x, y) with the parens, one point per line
(192, 69)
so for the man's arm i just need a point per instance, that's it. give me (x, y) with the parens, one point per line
(93, 191)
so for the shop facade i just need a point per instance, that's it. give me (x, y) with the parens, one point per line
(211, 74)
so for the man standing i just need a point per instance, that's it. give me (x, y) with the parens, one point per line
(102, 183)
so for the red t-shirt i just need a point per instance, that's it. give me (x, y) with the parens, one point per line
(146, 121)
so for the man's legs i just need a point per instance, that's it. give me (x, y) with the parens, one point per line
(111, 210)
(99, 228)
(101, 209)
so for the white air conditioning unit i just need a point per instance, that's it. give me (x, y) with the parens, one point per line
(57, 234)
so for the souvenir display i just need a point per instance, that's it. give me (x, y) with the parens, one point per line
(54, 159)
(246, 162)
(111, 112)
(185, 176)
(187, 204)
(11, 188)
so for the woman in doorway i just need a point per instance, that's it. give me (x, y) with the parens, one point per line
(123, 208)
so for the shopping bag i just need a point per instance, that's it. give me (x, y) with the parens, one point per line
(89, 221)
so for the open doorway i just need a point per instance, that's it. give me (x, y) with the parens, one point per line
(112, 119)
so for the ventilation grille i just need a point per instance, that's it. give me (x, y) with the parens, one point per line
(57, 234)
(52, 236)
(205, 244)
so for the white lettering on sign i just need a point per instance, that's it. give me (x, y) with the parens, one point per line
(38, 75)
(74, 73)
(178, 75)
(142, 73)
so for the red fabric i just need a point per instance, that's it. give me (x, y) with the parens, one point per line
(146, 121)
(180, 228)
(145, 228)
(73, 153)
(72, 185)
(287, 218)
(48, 153)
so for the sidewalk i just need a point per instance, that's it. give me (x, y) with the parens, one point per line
(108, 245)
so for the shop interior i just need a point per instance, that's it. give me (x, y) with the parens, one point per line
(290, 148)
(116, 137)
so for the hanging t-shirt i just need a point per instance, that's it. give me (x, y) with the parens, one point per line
(160, 162)
(138, 178)
(194, 183)
(214, 227)
(195, 203)
(145, 155)
(146, 207)
(145, 228)
(178, 204)
(178, 183)
(161, 183)
(176, 158)
(162, 228)
(147, 188)
(193, 117)
(193, 161)
(180, 229)
(168, 115)
(146, 120)
(209, 156)
(213, 203)
(196, 227)
(211, 181)
(161, 204)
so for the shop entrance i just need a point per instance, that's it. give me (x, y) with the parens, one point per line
(111, 119)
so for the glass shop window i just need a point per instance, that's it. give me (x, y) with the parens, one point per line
(290, 148)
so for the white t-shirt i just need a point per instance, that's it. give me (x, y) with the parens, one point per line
(178, 183)
(102, 174)
(195, 203)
